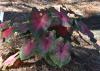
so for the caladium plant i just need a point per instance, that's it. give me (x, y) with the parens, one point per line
(65, 18)
(49, 35)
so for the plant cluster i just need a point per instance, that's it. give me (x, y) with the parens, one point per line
(48, 34)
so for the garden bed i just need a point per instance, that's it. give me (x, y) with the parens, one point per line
(83, 58)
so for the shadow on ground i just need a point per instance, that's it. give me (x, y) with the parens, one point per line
(83, 59)
(93, 22)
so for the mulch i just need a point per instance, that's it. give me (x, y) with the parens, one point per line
(83, 59)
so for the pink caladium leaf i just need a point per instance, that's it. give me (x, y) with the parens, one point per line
(44, 21)
(10, 61)
(39, 19)
(60, 55)
(6, 33)
(66, 21)
(65, 18)
(27, 50)
(39, 22)
(36, 18)
(44, 44)
(2, 25)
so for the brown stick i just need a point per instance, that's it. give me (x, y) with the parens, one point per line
(83, 38)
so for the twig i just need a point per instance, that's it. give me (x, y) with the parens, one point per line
(83, 38)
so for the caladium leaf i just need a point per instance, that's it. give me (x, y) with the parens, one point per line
(44, 21)
(10, 61)
(39, 22)
(65, 19)
(60, 55)
(39, 19)
(49, 60)
(27, 50)
(2, 25)
(54, 15)
(6, 33)
(84, 29)
(44, 44)
(36, 17)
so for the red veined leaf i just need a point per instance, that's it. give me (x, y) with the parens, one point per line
(60, 55)
(2, 25)
(44, 21)
(39, 19)
(6, 33)
(27, 50)
(39, 22)
(35, 18)
(65, 19)
(44, 44)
